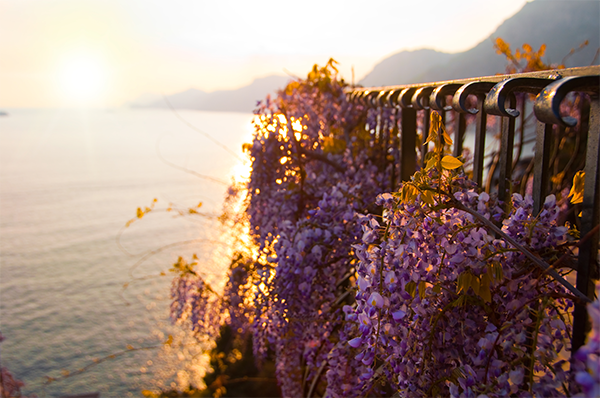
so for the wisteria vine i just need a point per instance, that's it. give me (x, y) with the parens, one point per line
(358, 285)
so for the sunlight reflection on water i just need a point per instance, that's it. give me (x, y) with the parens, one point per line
(69, 181)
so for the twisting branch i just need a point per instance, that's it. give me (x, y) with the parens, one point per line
(536, 260)
(581, 241)
(322, 158)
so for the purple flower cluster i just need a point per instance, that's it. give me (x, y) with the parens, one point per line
(318, 161)
(445, 308)
(191, 300)
(588, 377)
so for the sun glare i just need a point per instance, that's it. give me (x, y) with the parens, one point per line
(83, 79)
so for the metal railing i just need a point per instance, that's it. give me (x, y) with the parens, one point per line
(505, 97)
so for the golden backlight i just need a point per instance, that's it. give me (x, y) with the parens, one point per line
(82, 79)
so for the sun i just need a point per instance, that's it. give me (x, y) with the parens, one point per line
(83, 79)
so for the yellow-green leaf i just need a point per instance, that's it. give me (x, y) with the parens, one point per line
(450, 162)
(557, 179)
(409, 193)
(422, 287)
(459, 283)
(475, 285)
(430, 163)
(431, 137)
(427, 197)
(576, 193)
(484, 288)
(410, 288)
(447, 139)
(498, 274)
(464, 281)
(436, 122)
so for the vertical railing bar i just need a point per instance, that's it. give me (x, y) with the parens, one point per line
(425, 147)
(519, 148)
(587, 268)
(408, 144)
(541, 163)
(459, 133)
(378, 134)
(480, 132)
(584, 125)
(394, 145)
(506, 154)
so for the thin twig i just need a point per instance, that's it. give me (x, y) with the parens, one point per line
(587, 237)
(322, 158)
(232, 153)
(192, 172)
(316, 378)
(246, 378)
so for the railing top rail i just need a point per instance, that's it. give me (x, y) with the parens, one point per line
(550, 73)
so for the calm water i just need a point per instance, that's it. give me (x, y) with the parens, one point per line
(69, 181)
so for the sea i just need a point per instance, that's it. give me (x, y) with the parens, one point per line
(84, 298)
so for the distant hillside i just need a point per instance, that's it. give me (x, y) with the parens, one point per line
(561, 25)
(404, 67)
(241, 100)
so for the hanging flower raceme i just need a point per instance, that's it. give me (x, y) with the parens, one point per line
(193, 300)
(317, 164)
(445, 308)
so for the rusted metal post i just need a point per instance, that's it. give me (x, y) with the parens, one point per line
(587, 267)
(541, 177)
(408, 141)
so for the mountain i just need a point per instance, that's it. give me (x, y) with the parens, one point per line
(561, 25)
(403, 67)
(241, 100)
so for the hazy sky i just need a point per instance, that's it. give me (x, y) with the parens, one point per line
(56, 53)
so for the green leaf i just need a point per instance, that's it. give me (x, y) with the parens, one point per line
(422, 287)
(430, 163)
(475, 285)
(447, 139)
(459, 301)
(427, 197)
(484, 288)
(450, 162)
(410, 288)
(498, 274)
(576, 193)
(436, 122)
(409, 193)
(464, 281)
